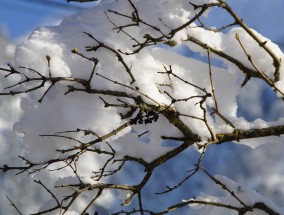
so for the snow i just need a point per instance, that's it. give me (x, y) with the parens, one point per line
(227, 43)
(59, 112)
(248, 197)
(57, 43)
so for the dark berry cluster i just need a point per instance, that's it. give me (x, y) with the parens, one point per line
(149, 117)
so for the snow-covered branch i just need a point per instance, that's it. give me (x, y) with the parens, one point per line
(104, 89)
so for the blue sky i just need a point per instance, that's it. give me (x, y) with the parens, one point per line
(18, 17)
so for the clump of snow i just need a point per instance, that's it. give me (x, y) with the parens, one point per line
(248, 197)
(59, 112)
(48, 52)
(228, 44)
(64, 113)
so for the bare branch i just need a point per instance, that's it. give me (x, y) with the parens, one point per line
(13, 205)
